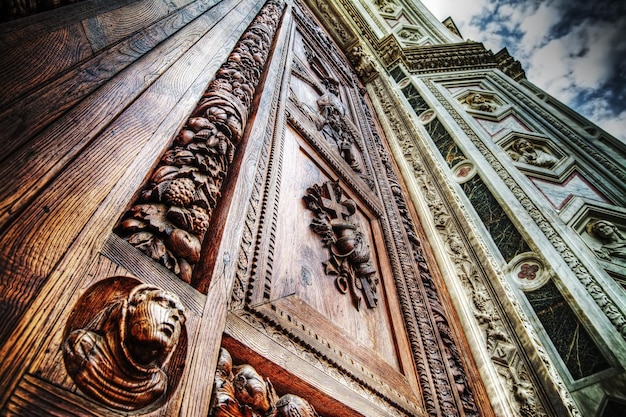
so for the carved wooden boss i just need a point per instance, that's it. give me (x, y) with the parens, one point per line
(348, 247)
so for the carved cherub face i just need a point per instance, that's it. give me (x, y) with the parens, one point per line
(154, 324)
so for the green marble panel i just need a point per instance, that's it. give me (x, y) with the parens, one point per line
(614, 408)
(444, 143)
(502, 230)
(418, 104)
(581, 355)
(397, 74)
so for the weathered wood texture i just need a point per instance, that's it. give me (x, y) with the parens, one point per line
(99, 156)
(105, 122)
(70, 107)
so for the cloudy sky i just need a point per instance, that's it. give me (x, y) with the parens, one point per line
(573, 49)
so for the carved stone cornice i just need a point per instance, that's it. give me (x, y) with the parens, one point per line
(417, 59)
(458, 57)
(509, 65)
(571, 259)
(487, 310)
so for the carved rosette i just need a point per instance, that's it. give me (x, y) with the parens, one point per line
(241, 392)
(348, 247)
(170, 218)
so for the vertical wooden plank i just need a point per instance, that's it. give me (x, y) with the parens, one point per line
(43, 104)
(107, 28)
(29, 169)
(38, 60)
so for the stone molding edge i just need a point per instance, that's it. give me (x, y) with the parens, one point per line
(420, 301)
(487, 313)
(582, 273)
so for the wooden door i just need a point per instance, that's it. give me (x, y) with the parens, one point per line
(233, 240)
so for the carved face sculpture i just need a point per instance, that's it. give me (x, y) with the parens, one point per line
(523, 146)
(477, 98)
(604, 230)
(251, 389)
(153, 324)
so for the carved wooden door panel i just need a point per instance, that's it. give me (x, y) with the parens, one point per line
(315, 291)
(331, 297)
(268, 263)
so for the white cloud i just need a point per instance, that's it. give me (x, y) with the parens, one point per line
(574, 67)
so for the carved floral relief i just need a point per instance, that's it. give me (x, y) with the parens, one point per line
(169, 220)
(241, 392)
(119, 352)
(348, 247)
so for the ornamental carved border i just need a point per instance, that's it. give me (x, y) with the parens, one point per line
(372, 204)
(440, 368)
(512, 367)
(172, 214)
(602, 299)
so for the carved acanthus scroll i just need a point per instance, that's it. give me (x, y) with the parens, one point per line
(119, 358)
(241, 392)
(169, 220)
(349, 250)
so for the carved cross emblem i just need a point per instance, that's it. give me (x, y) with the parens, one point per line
(348, 247)
(332, 205)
